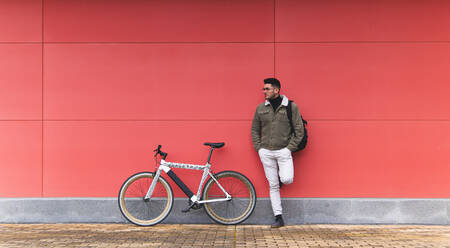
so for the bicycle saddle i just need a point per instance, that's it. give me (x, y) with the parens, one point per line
(215, 145)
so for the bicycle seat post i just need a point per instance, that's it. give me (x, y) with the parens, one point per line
(210, 154)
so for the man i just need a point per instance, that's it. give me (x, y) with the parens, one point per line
(274, 141)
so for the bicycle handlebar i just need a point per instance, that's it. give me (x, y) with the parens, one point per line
(158, 151)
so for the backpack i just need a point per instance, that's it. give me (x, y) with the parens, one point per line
(304, 140)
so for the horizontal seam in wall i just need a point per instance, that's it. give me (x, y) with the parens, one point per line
(356, 42)
(193, 120)
(25, 43)
(129, 120)
(184, 198)
(162, 42)
(383, 120)
(238, 42)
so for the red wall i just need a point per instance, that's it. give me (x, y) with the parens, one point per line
(90, 87)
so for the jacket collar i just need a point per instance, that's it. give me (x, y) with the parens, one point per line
(284, 102)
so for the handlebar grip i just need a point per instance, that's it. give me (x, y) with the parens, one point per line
(157, 150)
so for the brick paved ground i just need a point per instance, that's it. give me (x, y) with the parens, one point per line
(127, 235)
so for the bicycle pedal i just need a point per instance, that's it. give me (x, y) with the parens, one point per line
(197, 206)
(188, 208)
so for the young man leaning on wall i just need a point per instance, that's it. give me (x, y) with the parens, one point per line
(274, 141)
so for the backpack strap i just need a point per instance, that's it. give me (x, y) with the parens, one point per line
(289, 115)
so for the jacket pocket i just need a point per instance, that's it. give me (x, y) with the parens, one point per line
(282, 116)
(264, 115)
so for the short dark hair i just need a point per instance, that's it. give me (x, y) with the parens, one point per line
(273, 81)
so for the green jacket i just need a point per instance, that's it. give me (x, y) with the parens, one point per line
(271, 129)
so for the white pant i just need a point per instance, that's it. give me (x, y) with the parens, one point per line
(277, 164)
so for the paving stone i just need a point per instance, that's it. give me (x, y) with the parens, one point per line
(127, 235)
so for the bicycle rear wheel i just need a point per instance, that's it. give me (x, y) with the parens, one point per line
(139, 211)
(243, 201)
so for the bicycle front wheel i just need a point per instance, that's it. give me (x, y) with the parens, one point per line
(242, 203)
(145, 212)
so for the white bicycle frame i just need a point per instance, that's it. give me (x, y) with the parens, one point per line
(166, 167)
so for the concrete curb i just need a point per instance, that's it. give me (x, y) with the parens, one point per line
(296, 211)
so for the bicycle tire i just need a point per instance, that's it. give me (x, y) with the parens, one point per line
(138, 211)
(243, 201)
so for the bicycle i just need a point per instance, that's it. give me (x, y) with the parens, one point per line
(146, 198)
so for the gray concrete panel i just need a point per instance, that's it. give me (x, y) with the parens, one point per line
(374, 211)
(425, 211)
(327, 211)
(59, 210)
(448, 212)
(293, 210)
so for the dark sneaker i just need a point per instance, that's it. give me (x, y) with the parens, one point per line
(278, 222)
